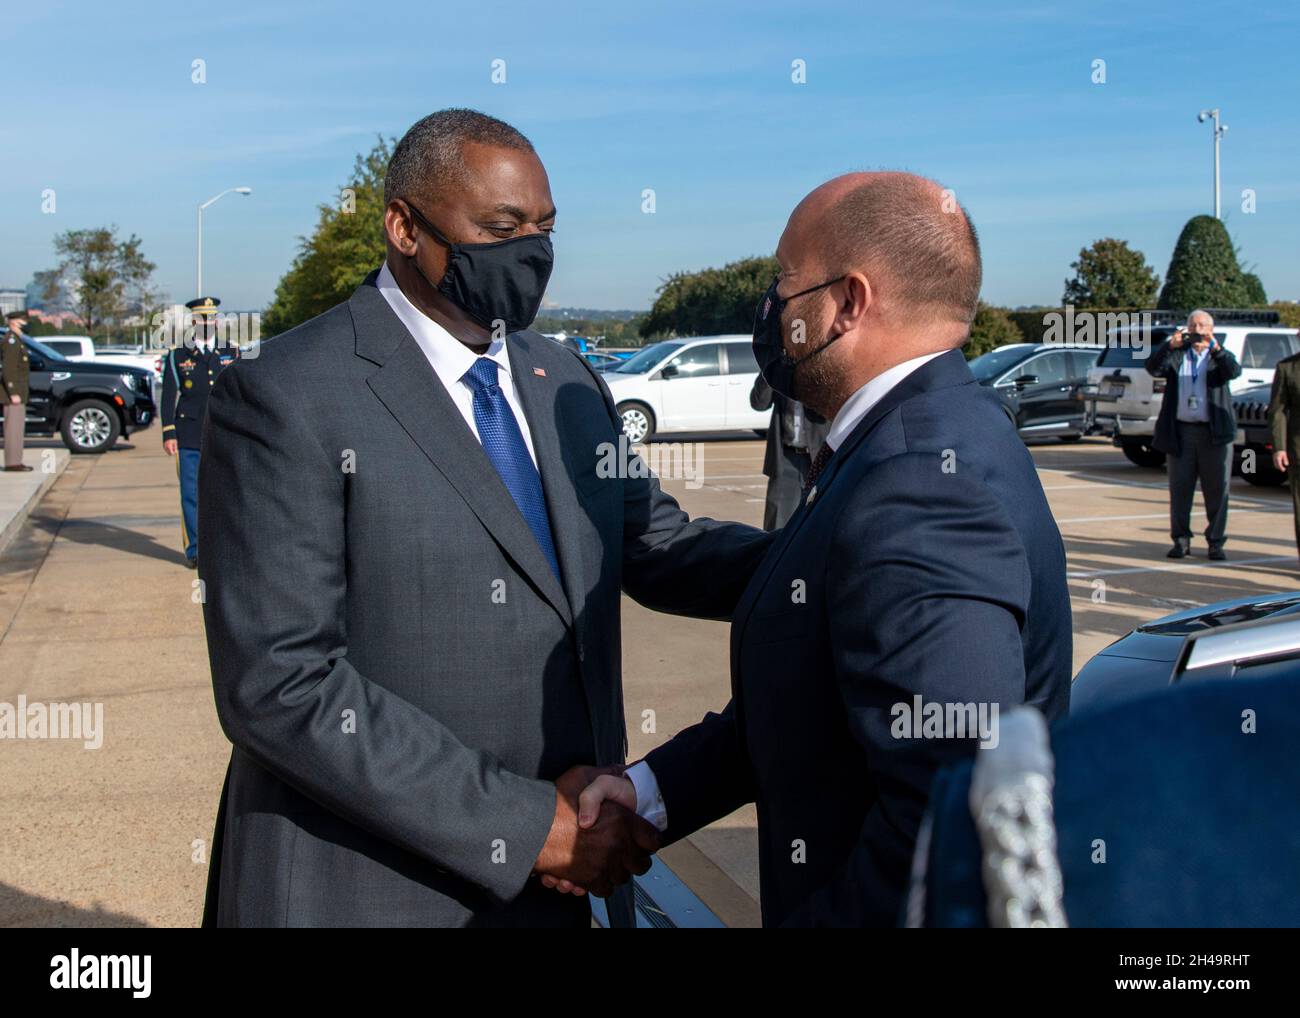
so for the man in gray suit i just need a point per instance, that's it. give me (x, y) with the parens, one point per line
(413, 572)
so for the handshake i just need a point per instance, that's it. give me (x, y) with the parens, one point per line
(597, 841)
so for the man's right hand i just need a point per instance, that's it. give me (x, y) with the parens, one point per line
(1281, 460)
(1176, 340)
(170, 446)
(600, 855)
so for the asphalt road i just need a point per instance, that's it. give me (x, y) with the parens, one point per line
(96, 606)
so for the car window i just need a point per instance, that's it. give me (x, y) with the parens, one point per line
(44, 350)
(64, 346)
(697, 362)
(741, 360)
(989, 365)
(1265, 349)
(646, 358)
(1082, 361)
(1049, 367)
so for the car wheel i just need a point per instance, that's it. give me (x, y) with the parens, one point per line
(638, 421)
(89, 426)
(1143, 455)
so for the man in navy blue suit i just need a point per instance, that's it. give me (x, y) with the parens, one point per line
(918, 590)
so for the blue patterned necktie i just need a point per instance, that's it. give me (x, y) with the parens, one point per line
(504, 444)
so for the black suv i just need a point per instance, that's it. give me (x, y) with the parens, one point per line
(1038, 384)
(88, 404)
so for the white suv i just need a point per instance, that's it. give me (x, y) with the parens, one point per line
(1123, 401)
(696, 384)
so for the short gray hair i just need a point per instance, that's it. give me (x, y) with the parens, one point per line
(429, 154)
(1200, 311)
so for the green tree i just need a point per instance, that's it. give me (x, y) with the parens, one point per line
(1203, 271)
(990, 330)
(141, 296)
(92, 260)
(348, 242)
(1110, 274)
(712, 301)
(1255, 295)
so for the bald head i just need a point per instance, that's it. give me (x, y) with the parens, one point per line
(906, 233)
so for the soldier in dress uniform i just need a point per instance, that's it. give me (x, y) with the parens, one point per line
(16, 371)
(189, 372)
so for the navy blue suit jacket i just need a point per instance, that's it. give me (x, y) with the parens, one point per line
(928, 563)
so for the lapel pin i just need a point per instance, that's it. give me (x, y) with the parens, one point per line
(811, 496)
(539, 372)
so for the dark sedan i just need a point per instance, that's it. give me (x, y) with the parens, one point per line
(1253, 636)
(1038, 383)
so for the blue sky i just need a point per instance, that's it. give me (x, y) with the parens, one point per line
(693, 100)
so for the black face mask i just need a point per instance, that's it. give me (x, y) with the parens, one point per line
(776, 366)
(503, 281)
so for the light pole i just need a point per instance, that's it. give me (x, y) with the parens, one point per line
(1219, 132)
(198, 273)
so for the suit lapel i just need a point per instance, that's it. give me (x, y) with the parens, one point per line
(537, 397)
(945, 370)
(410, 390)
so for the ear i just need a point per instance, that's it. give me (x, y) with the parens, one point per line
(856, 300)
(399, 227)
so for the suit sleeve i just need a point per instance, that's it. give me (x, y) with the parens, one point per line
(703, 774)
(1158, 361)
(672, 563)
(928, 588)
(1226, 366)
(273, 560)
(169, 393)
(1278, 410)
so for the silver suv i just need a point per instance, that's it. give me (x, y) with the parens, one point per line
(1123, 401)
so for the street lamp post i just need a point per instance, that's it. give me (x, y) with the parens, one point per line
(198, 273)
(1219, 132)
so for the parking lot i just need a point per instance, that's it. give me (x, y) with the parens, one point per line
(1114, 519)
(95, 604)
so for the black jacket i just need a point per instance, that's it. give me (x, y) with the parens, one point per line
(928, 564)
(1166, 362)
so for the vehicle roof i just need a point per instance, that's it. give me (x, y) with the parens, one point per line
(725, 337)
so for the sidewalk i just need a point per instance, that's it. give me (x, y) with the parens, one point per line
(97, 608)
(19, 493)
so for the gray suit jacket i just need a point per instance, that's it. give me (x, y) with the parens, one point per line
(398, 670)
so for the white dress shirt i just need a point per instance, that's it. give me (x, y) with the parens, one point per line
(649, 801)
(451, 359)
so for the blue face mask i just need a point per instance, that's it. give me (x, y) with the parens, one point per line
(774, 364)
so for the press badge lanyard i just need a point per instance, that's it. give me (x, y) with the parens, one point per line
(1193, 403)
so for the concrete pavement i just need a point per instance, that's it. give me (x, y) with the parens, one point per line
(96, 607)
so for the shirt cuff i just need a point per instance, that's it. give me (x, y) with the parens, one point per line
(649, 803)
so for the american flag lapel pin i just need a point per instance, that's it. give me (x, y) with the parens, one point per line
(539, 372)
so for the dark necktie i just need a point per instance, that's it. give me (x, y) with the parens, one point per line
(503, 442)
(818, 465)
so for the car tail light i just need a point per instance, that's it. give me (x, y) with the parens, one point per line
(1159, 385)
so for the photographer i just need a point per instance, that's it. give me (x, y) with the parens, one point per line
(1196, 428)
